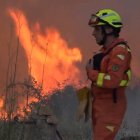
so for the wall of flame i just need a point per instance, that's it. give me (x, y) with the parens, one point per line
(50, 59)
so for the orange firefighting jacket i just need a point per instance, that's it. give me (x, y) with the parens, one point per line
(111, 73)
(113, 66)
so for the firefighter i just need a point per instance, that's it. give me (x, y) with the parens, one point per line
(110, 74)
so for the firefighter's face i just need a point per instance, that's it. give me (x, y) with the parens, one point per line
(97, 33)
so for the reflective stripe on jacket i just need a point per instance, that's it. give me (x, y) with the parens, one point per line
(115, 66)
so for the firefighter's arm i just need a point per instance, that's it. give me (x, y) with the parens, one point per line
(119, 62)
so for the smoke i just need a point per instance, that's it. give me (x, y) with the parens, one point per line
(70, 18)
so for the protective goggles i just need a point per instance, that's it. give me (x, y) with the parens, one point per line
(94, 20)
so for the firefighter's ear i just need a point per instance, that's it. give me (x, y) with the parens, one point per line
(108, 30)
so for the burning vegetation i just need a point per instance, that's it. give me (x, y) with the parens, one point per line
(51, 66)
(25, 105)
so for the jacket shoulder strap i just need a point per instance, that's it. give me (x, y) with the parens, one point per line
(120, 43)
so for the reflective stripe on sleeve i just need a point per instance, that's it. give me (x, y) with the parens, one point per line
(100, 79)
(123, 83)
(126, 82)
(129, 76)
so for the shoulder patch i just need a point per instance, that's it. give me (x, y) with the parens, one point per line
(121, 56)
(115, 67)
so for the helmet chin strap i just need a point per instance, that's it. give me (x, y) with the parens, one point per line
(102, 42)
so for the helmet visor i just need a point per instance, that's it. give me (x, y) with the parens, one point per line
(94, 20)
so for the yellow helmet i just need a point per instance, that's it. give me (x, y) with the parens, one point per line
(106, 17)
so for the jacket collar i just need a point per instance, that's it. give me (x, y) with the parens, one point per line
(115, 42)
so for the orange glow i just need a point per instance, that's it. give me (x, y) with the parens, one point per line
(1, 103)
(50, 60)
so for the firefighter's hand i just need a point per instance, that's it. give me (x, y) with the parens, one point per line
(92, 74)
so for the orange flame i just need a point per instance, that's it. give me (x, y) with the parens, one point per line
(1, 103)
(50, 60)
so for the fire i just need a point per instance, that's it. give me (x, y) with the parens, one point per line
(50, 60)
(1, 103)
